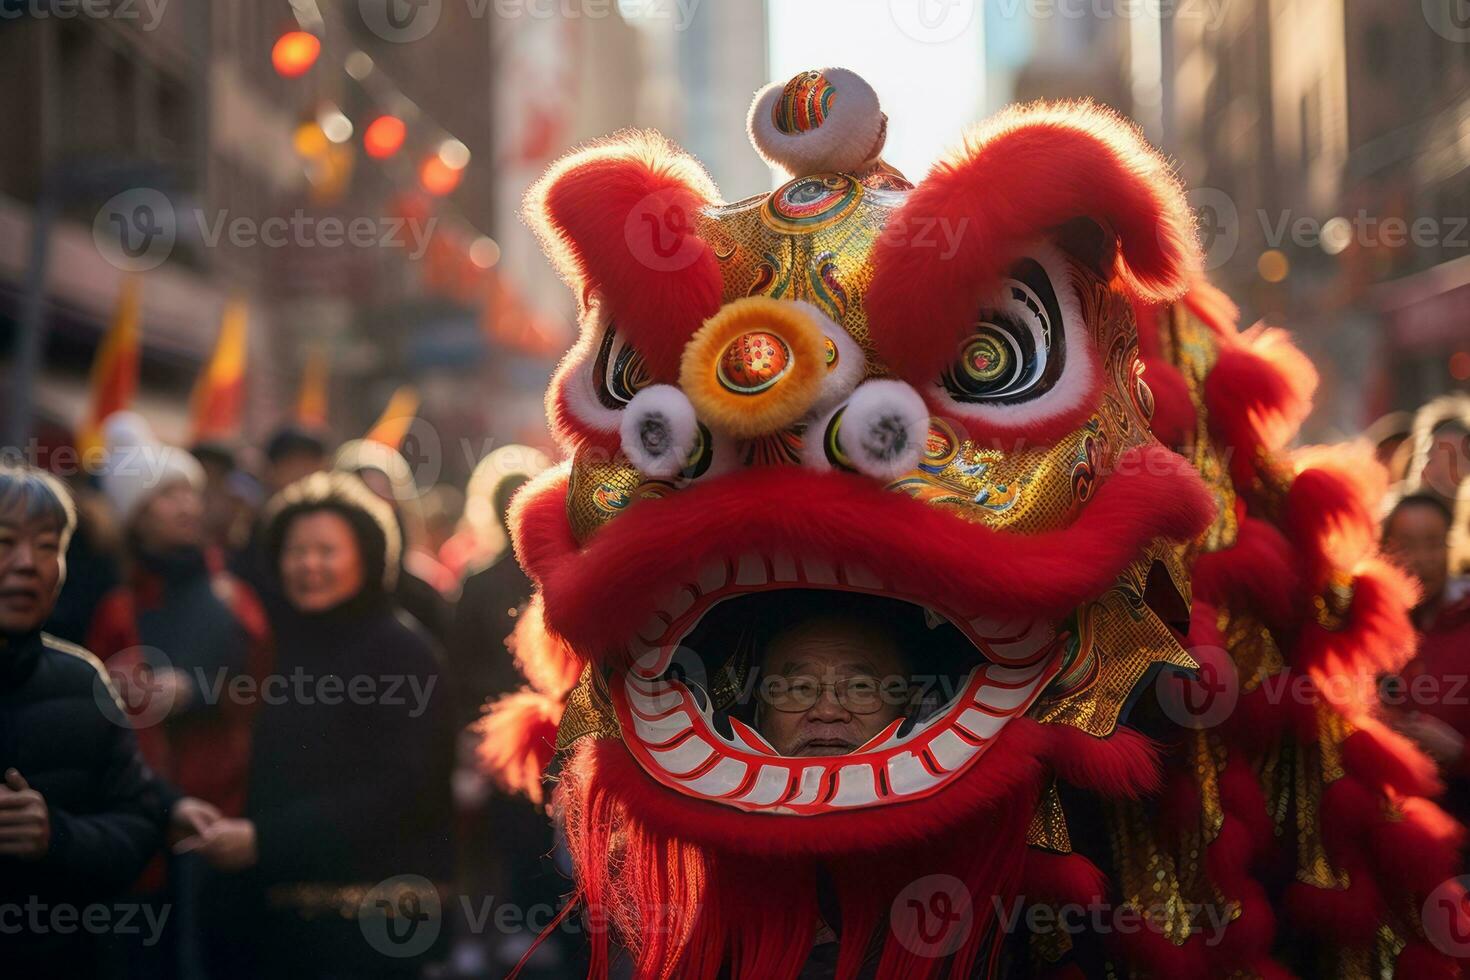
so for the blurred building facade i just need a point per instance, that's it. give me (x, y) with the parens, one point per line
(1326, 144)
(687, 70)
(97, 107)
(189, 111)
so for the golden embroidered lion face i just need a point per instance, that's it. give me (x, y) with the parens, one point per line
(926, 394)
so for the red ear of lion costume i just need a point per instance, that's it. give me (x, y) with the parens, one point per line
(943, 399)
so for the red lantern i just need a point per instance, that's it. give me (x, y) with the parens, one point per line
(294, 53)
(384, 137)
(437, 177)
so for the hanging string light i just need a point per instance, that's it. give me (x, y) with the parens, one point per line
(437, 177)
(294, 53)
(384, 137)
(334, 123)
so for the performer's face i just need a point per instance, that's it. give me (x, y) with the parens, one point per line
(320, 563)
(828, 686)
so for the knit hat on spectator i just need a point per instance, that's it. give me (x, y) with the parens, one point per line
(138, 465)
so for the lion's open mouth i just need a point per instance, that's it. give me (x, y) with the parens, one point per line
(674, 704)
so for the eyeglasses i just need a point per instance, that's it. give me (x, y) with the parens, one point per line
(861, 694)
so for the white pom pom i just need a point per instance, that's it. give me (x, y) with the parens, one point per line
(831, 123)
(659, 431)
(882, 429)
(846, 368)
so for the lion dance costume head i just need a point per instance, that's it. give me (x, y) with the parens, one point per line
(1003, 398)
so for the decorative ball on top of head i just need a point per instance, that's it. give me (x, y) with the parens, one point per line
(818, 122)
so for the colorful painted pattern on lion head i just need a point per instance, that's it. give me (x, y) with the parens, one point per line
(927, 393)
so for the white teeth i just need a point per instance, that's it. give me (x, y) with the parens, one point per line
(856, 786)
(981, 725)
(1036, 637)
(649, 663)
(752, 571)
(996, 674)
(655, 704)
(722, 780)
(1003, 699)
(660, 731)
(811, 784)
(683, 748)
(818, 572)
(685, 757)
(861, 578)
(951, 751)
(712, 578)
(770, 783)
(907, 775)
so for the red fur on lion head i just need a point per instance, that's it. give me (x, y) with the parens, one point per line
(618, 218)
(1026, 172)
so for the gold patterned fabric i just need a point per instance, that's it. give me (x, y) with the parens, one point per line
(811, 240)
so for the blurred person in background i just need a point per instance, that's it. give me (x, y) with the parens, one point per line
(1441, 458)
(231, 497)
(291, 453)
(91, 557)
(1391, 438)
(92, 564)
(506, 839)
(176, 634)
(80, 813)
(423, 583)
(492, 597)
(1431, 702)
(443, 507)
(349, 783)
(178, 605)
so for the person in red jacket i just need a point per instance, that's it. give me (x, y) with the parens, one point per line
(176, 636)
(180, 628)
(1431, 704)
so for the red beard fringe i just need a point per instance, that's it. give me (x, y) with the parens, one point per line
(684, 909)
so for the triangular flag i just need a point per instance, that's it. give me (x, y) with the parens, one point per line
(392, 425)
(311, 400)
(114, 366)
(219, 394)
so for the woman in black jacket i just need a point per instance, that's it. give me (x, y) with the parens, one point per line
(345, 846)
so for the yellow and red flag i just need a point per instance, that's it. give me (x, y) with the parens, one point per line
(311, 400)
(218, 401)
(114, 377)
(392, 425)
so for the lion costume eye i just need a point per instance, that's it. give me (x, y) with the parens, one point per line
(1028, 357)
(1018, 349)
(618, 372)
